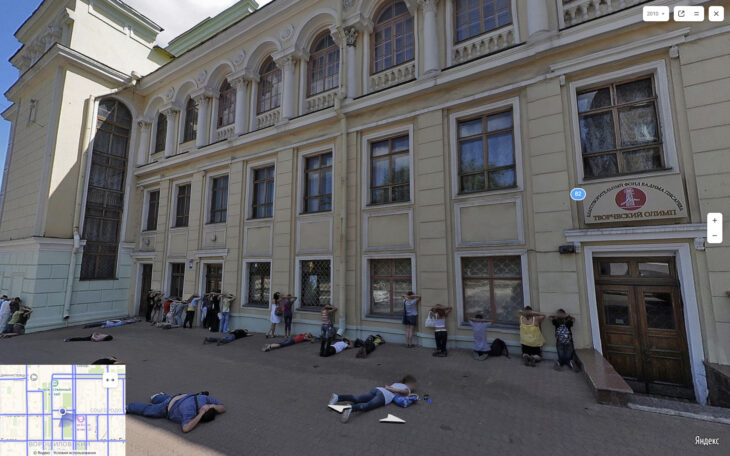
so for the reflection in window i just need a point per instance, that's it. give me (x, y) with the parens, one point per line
(492, 286)
(392, 36)
(226, 104)
(390, 166)
(654, 269)
(475, 17)
(177, 279)
(324, 65)
(259, 284)
(219, 200)
(486, 153)
(269, 95)
(389, 280)
(263, 193)
(659, 310)
(190, 131)
(318, 183)
(616, 308)
(608, 268)
(619, 129)
(316, 283)
(160, 132)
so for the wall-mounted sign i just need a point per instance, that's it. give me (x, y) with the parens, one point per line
(634, 200)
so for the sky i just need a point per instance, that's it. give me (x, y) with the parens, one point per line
(186, 14)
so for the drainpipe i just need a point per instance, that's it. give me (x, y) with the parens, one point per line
(85, 146)
(342, 235)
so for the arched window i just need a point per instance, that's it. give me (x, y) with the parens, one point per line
(474, 17)
(324, 65)
(226, 104)
(269, 96)
(191, 121)
(392, 37)
(105, 191)
(160, 132)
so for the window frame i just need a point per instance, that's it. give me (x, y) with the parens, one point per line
(367, 170)
(314, 55)
(160, 146)
(665, 117)
(170, 276)
(298, 281)
(391, 279)
(203, 274)
(226, 94)
(190, 121)
(321, 170)
(455, 117)
(455, 24)
(210, 211)
(245, 302)
(176, 194)
(459, 283)
(365, 281)
(271, 74)
(392, 22)
(254, 181)
(148, 207)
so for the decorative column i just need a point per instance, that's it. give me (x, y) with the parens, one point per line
(145, 129)
(171, 114)
(241, 85)
(350, 63)
(430, 37)
(537, 19)
(201, 135)
(287, 64)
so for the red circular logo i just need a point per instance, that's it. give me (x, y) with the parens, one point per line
(630, 199)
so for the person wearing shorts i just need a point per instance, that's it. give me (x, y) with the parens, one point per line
(289, 341)
(410, 316)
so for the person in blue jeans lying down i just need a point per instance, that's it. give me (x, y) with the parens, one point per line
(378, 397)
(187, 409)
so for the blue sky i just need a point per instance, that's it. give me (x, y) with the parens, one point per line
(188, 13)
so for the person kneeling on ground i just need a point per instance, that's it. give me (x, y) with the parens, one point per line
(378, 397)
(186, 409)
(369, 345)
(479, 325)
(564, 339)
(16, 324)
(531, 336)
(337, 347)
(233, 335)
(289, 341)
(94, 337)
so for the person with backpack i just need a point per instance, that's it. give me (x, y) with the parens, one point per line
(276, 314)
(410, 316)
(377, 397)
(531, 336)
(564, 339)
(439, 314)
(186, 409)
(369, 345)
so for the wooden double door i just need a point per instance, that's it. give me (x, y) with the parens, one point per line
(642, 324)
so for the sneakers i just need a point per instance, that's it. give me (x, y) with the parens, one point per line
(154, 395)
(266, 348)
(334, 399)
(526, 359)
(573, 365)
(556, 365)
(345, 417)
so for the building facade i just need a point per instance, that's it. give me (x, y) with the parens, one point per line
(350, 151)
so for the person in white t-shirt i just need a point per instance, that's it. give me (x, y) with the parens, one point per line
(5, 313)
(337, 347)
(377, 397)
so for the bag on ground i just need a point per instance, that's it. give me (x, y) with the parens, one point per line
(405, 401)
(498, 348)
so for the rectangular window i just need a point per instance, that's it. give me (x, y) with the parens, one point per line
(316, 283)
(389, 280)
(182, 208)
(619, 129)
(475, 17)
(259, 284)
(153, 206)
(263, 193)
(219, 200)
(177, 279)
(390, 170)
(318, 183)
(213, 278)
(486, 153)
(492, 286)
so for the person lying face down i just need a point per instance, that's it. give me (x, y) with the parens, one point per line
(186, 409)
(377, 397)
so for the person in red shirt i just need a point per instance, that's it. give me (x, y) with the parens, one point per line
(289, 341)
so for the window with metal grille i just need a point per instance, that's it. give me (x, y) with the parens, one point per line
(259, 284)
(475, 17)
(219, 200)
(389, 280)
(390, 171)
(318, 183)
(316, 283)
(160, 132)
(177, 279)
(263, 193)
(153, 205)
(105, 191)
(226, 104)
(492, 286)
(269, 94)
(324, 65)
(190, 131)
(213, 278)
(182, 207)
(392, 42)
(620, 131)
(487, 153)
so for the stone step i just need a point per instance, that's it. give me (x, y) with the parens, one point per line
(607, 385)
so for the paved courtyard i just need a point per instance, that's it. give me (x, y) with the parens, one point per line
(277, 401)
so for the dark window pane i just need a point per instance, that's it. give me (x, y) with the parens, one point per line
(502, 179)
(659, 310)
(597, 132)
(637, 161)
(634, 91)
(638, 125)
(595, 99)
(501, 150)
(654, 269)
(614, 269)
(601, 165)
(616, 305)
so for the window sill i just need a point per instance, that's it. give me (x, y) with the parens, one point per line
(314, 214)
(503, 191)
(259, 219)
(500, 327)
(179, 228)
(653, 173)
(216, 223)
(373, 207)
(390, 319)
